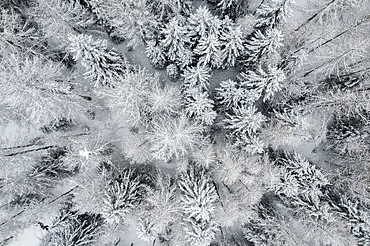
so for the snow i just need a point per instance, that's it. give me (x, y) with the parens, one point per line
(30, 237)
(219, 75)
(109, 126)
(139, 58)
(131, 238)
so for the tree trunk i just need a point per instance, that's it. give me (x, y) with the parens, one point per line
(314, 16)
(31, 150)
(364, 20)
(326, 63)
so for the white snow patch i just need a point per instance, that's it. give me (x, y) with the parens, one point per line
(30, 237)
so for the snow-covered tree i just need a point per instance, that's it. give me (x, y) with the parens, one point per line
(172, 72)
(198, 203)
(209, 50)
(232, 8)
(35, 90)
(27, 181)
(246, 24)
(175, 39)
(126, 19)
(135, 147)
(164, 100)
(245, 121)
(197, 77)
(203, 23)
(199, 106)
(333, 41)
(232, 45)
(265, 83)
(102, 65)
(342, 102)
(185, 59)
(358, 218)
(137, 26)
(230, 168)
(301, 182)
(240, 179)
(273, 13)
(263, 44)
(122, 195)
(129, 97)
(276, 228)
(25, 178)
(289, 127)
(198, 195)
(73, 229)
(251, 144)
(173, 137)
(155, 54)
(346, 135)
(165, 10)
(113, 8)
(232, 95)
(16, 34)
(58, 18)
(86, 153)
(205, 157)
(201, 234)
(162, 208)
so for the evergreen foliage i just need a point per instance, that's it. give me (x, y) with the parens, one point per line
(273, 13)
(301, 182)
(174, 137)
(232, 95)
(175, 39)
(73, 229)
(155, 54)
(122, 194)
(172, 72)
(217, 174)
(231, 8)
(197, 199)
(36, 90)
(262, 44)
(266, 84)
(103, 66)
(244, 121)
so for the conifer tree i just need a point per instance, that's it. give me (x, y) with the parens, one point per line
(197, 77)
(121, 196)
(162, 208)
(173, 137)
(58, 18)
(264, 83)
(198, 105)
(232, 95)
(301, 183)
(245, 121)
(103, 66)
(35, 90)
(263, 44)
(198, 198)
(175, 39)
(232, 8)
(209, 50)
(273, 13)
(155, 54)
(203, 23)
(232, 45)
